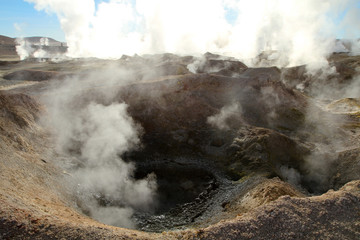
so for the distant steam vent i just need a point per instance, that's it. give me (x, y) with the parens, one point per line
(32, 47)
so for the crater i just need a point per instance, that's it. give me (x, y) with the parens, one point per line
(258, 169)
(183, 188)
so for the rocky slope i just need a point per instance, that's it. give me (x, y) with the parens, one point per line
(239, 152)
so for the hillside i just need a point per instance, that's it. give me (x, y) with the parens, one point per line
(8, 45)
(157, 147)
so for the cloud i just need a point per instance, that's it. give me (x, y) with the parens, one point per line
(302, 31)
(18, 27)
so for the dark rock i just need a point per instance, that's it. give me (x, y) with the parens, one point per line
(347, 167)
(264, 150)
(32, 75)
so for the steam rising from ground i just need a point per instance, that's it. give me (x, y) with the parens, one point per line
(27, 49)
(290, 32)
(353, 88)
(94, 133)
(222, 119)
(24, 49)
(300, 31)
(322, 132)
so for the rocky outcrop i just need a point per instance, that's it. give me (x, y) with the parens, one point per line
(330, 82)
(264, 150)
(334, 215)
(347, 167)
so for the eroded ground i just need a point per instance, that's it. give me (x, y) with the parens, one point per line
(239, 153)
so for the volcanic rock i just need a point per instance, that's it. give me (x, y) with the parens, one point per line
(263, 150)
(223, 138)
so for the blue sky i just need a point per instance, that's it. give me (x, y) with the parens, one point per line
(29, 21)
(19, 19)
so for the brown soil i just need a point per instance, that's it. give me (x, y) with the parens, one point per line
(36, 204)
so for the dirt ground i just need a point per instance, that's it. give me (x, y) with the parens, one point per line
(36, 204)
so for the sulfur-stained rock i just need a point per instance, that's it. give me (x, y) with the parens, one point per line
(264, 192)
(332, 215)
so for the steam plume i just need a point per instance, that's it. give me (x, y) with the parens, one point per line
(27, 49)
(93, 135)
(223, 119)
(300, 31)
(24, 48)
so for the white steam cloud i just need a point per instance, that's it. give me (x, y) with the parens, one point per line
(105, 132)
(300, 31)
(222, 120)
(24, 49)
(30, 49)
(353, 90)
(92, 130)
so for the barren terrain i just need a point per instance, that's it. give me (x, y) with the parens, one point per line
(238, 152)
